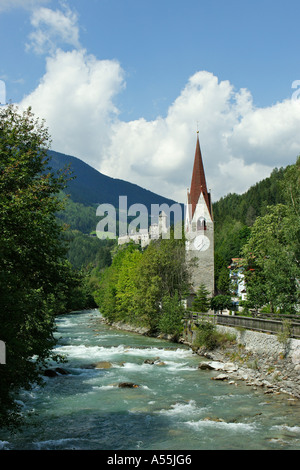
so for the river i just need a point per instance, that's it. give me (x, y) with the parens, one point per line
(176, 406)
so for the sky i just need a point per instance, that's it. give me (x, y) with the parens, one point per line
(125, 85)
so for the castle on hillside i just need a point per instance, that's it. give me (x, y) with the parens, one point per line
(144, 236)
(199, 229)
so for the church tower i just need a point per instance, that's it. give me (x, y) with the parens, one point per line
(199, 229)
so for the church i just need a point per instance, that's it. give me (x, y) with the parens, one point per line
(199, 229)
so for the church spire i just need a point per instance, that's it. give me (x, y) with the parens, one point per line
(198, 184)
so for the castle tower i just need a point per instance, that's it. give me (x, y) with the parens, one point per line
(199, 229)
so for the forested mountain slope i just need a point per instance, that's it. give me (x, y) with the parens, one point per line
(90, 187)
(86, 191)
(234, 216)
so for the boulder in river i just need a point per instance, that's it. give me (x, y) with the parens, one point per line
(62, 371)
(220, 377)
(151, 361)
(155, 361)
(215, 365)
(128, 385)
(205, 366)
(102, 365)
(99, 365)
(50, 373)
(55, 372)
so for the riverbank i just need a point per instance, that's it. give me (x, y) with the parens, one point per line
(257, 359)
(175, 404)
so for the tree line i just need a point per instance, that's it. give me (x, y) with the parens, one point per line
(262, 228)
(271, 256)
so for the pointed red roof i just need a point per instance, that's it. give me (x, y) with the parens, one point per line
(198, 184)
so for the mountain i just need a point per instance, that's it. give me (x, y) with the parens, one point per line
(90, 187)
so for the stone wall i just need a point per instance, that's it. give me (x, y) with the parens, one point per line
(264, 343)
(261, 360)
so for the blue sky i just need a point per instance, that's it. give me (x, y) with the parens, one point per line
(123, 85)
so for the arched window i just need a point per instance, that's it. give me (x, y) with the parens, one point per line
(201, 223)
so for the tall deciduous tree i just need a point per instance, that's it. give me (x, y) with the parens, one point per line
(31, 251)
(141, 287)
(272, 260)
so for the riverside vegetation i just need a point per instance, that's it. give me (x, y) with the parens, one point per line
(48, 268)
(37, 282)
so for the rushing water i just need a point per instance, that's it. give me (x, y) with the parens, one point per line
(176, 406)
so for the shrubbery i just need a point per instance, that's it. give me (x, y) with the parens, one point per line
(207, 336)
(145, 287)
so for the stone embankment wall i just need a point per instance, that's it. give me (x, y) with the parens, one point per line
(261, 360)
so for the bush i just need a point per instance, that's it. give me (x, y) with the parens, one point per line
(208, 336)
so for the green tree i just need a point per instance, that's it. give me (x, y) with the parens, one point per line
(202, 301)
(224, 284)
(221, 302)
(126, 287)
(133, 288)
(163, 272)
(106, 288)
(272, 262)
(170, 321)
(290, 187)
(31, 251)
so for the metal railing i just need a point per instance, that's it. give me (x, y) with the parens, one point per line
(264, 324)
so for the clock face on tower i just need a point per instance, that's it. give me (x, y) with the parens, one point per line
(201, 243)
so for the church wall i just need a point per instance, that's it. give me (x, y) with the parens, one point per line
(203, 272)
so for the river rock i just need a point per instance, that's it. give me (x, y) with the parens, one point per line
(151, 361)
(50, 373)
(62, 371)
(128, 385)
(102, 365)
(98, 365)
(156, 361)
(217, 420)
(216, 365)
(205, 366)
(220, 377)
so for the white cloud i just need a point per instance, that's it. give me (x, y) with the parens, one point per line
(52, 28)
(270, 134)
(6, 5)
(75, 96)
(240, 144)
